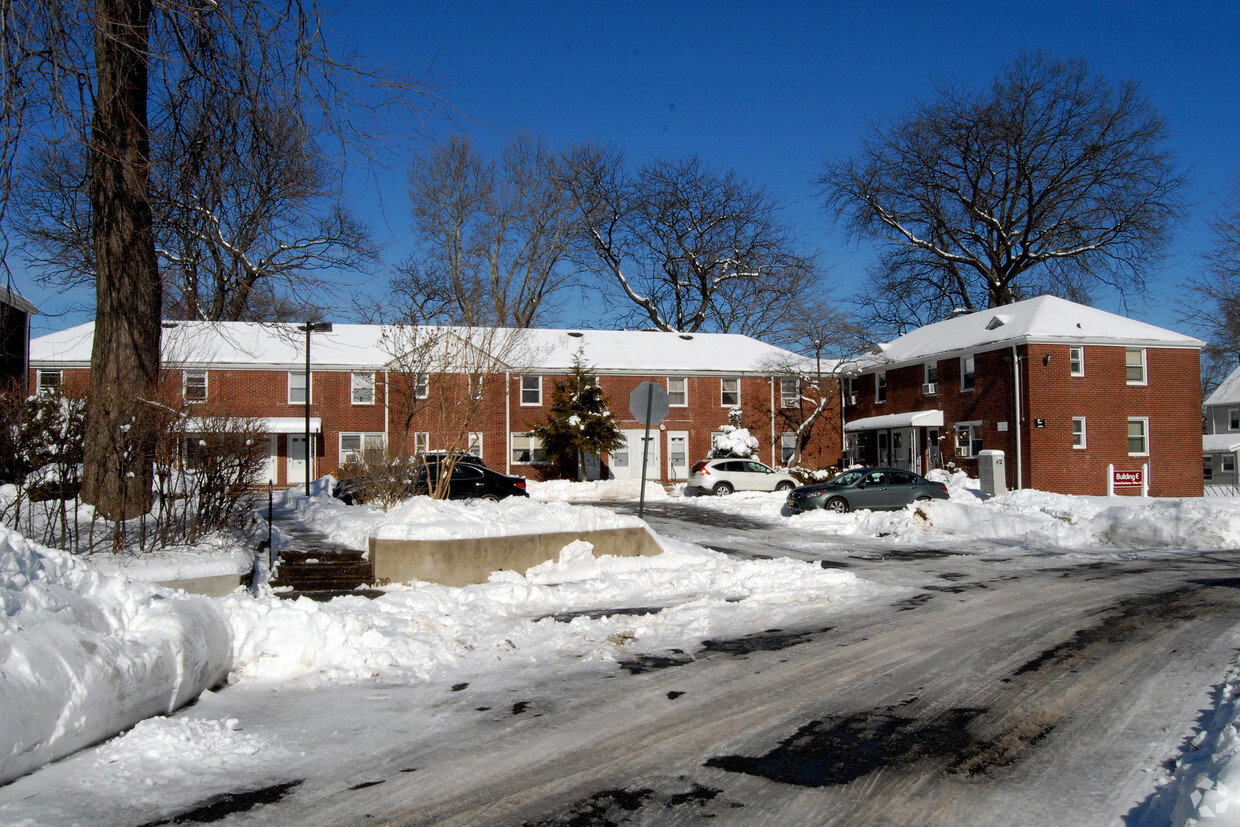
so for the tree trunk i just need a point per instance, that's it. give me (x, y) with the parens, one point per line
(120, 426)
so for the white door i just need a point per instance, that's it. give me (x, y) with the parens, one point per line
(626, 463)
(296, 462)
(678, 455)
(269, 471)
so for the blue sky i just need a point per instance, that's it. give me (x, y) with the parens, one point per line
(773, 90)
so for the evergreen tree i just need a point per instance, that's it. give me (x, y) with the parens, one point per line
(579, 422)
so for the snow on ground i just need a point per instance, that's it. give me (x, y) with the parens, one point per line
(87, 652)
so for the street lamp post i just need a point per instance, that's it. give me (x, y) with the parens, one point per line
(310, 327)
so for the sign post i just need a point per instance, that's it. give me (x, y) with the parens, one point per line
(649, 405)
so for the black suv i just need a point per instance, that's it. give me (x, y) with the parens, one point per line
(470, 479)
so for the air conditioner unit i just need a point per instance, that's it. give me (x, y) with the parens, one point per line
(930, 388)
(852, 399)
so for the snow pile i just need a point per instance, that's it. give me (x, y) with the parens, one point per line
(422, 630)
(424, 518)
(83, 654)
(566, 491)
(734, 442)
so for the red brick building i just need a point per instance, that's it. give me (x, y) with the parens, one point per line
(426, 389)
(1063, 390)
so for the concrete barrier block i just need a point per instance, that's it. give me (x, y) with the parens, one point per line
(467, 561)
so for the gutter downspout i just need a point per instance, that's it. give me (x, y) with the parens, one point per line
(387, 412)
(772, 409)
(507, 422)
(1016, 397)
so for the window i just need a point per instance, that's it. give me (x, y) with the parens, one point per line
(421, 443)
(1228, 465)
(475, 444)
(528, 450)
(729, 392)
(475, 385)
(1078, 432)
(787, 447)
(880, 387)
(354, 447)
(531, 390)
(968, 380)
(49, 381)
(1207, 468)
(1134, 363)
(677, 391)
(1138, 436)
(422, 386)
(1233, 419)
(1076, 361)
(790, 393)
(853, 389)
(362, 388)
(194, 386)
(296, 387)
(968, 439)
(930, 379)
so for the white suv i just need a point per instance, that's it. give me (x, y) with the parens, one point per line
(723, 476)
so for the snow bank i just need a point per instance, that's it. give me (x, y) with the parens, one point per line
(422, 630)
(84, 654)
(567, 491)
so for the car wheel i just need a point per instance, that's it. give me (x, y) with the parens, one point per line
(923, 499)
(837, 504)
(785, 486)
(723, 488)
(491, 498)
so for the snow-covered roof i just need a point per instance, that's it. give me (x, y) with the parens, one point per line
(1044, 320)
(252, 345)
(1228, 393)
(1220, 443)
(14, 299)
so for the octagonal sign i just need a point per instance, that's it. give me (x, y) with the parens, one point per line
(648, 403)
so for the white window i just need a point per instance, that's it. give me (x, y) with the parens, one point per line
(1134, 363)
(968, 439)
(528, 450)
(790, 393)
(1078, 432)
(1233, 419)
(362, 388)
(1228, 465)
(531, 390)
(1138, 436)
(355, 446)
(968, 379)
(194, 386)
(729, 392)
(1076, 361)
(475, 385)
(854, 389)
(787, 446)
(930, 378)
(475, 444)
(421, 443)
(296, 387)
(422, 386)
(677, 391)
(880, 387)
(49, 381)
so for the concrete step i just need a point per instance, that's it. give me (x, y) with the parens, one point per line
(322, 573)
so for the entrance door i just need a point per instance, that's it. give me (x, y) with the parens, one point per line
(626, 464)
(295, 465)
(269, 471)
(678, 455)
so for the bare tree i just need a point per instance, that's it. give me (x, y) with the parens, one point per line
(1217, 290)
(818, 337)
(688, 247)
(1051, 181)
(65, 65)
(494, 238)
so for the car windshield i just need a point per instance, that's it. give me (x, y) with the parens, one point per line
(848, 478)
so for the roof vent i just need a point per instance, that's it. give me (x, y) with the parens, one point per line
(997, 321)
(576, 334)
(686, 337)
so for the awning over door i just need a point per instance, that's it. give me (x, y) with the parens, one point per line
(272, 424)
(912, 419)
(1220, 443)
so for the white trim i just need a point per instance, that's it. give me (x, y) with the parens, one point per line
(353, 386)
(911, 419)
(1083, 432)
(537, 390)
(1145, 433)
(684, 382)
(1145, 367)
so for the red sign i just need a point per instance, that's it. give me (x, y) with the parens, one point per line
(1126, 478)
